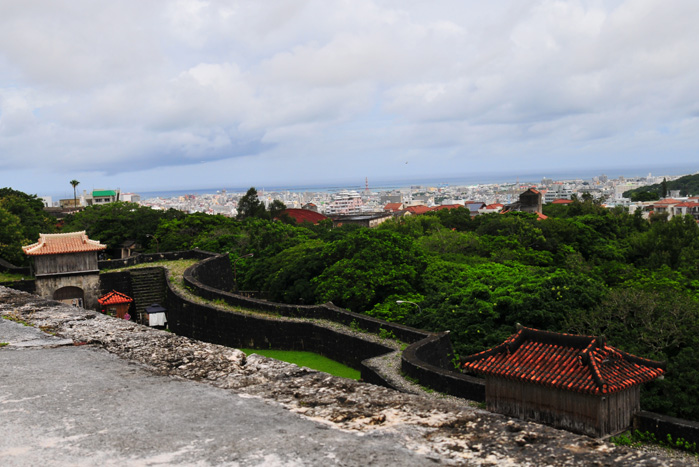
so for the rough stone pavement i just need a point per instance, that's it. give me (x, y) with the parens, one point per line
(81, 388)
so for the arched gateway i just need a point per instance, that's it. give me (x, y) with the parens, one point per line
(70, 295)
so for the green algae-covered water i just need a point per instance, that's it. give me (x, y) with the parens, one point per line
(309, 360)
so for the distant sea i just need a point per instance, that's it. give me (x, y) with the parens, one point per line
(475, 179)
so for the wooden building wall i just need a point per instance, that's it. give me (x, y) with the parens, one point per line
(65, 263)
(581, 413)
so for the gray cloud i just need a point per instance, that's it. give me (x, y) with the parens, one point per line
(344, 87)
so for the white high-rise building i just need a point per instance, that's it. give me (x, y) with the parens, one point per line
(345, 202)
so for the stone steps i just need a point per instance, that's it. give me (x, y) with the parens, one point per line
(148, 287)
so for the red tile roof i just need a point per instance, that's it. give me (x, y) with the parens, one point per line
(419, 209)
(393, 207)
(667, 201)
(56, 244)
(305, 215)
(495, 206)
(114, 298)
(584, 364)
(447, 206)
(561, 201)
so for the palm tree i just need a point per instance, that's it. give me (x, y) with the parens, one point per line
(75, 183)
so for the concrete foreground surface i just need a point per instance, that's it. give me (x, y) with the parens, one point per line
(84, 406)
(93, 390)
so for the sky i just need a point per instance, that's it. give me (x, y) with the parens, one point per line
(156, 95)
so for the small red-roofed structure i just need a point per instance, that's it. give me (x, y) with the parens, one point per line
(115, 303)
(304, 215)
(417, 209)
(393, 207)
(578, 383)
(562, 201)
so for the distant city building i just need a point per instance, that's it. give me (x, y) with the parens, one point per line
(393, 207)
(130, 197)
(343, 203)
(365, 220)
(529, 201)
(555, 192)
(386, 198)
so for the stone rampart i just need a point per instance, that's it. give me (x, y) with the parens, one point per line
(201, 277)
(427, 359)
(239, 330)
(662, 426)
(428, 362)
(141, 258)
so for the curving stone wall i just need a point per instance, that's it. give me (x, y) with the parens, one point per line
(427, 359)
(207, 323)
(141, 258)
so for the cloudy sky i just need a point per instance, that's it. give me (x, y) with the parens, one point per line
(154, 95)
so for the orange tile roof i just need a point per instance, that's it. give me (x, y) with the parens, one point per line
(56, 244)
(114, 298)
(584, 364)
(561, 201)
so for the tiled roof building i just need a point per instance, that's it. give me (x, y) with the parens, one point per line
(575, 382)
(115, 303)
(114, 298)
(56, 244)
(66, 267)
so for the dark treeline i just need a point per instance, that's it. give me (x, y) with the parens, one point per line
(585, 270)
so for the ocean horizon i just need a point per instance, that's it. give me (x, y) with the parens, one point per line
(388, 185)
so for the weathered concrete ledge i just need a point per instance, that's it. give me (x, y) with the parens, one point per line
(445, 431)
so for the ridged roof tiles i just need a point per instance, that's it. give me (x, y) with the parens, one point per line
(56, 244)
(114, 298)
(583, 364)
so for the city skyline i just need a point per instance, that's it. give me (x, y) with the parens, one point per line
(192, 95)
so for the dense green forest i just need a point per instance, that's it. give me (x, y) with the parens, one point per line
(585, 269)
(22, 219)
